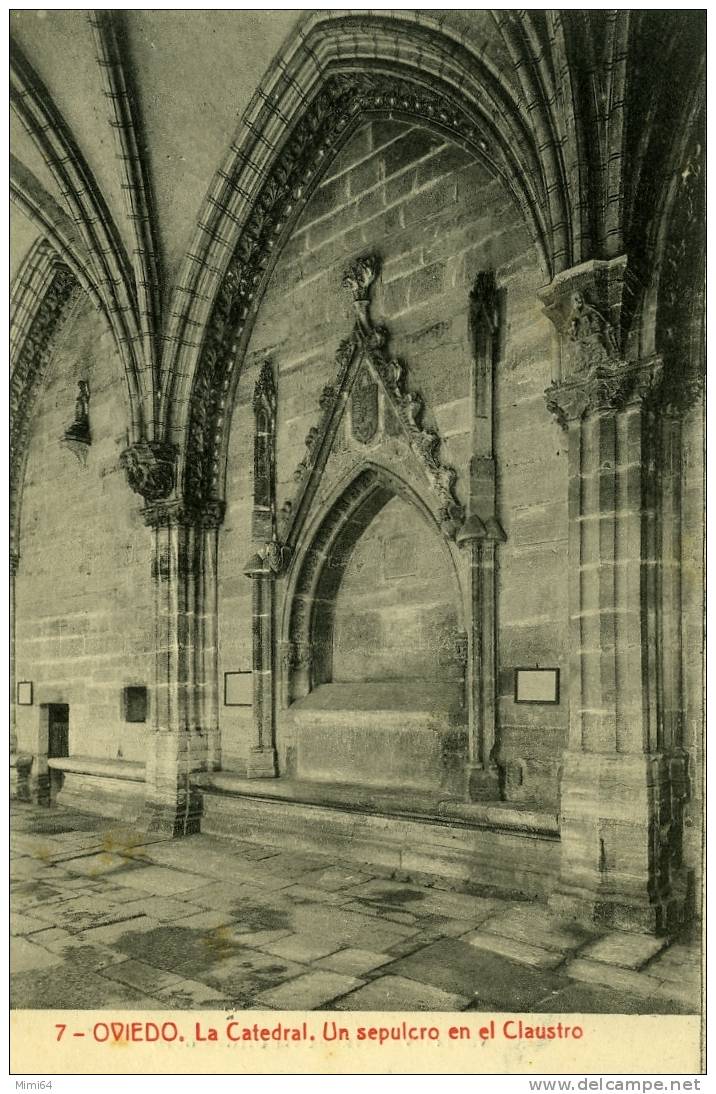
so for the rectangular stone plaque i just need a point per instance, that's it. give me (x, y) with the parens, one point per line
(24, 693)
(238, 689)
(536, 685)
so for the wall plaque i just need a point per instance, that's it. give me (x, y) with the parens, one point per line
(536, 685)
(24, 693)
(238, 689)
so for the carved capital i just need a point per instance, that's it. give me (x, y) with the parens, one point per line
(177, 513)
(149, 466)
(607, 387)
(585, 304)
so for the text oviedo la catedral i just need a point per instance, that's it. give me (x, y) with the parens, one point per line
(508, 1029)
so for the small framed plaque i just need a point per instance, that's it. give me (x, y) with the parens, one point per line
(536, 685)
(238, 689)
(24, 693)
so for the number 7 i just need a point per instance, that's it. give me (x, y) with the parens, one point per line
(62, 1029)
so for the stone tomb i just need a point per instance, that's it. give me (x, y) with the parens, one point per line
(388, 703)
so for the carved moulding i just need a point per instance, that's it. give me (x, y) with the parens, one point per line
(263, 519)
(368, 343)
(149, 467)
(343, 100)
(680, 335)
(605, 387)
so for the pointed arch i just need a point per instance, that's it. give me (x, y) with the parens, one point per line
(321, 556)
(337, 70)
(47, 128)
(56, 227)
(123, 111)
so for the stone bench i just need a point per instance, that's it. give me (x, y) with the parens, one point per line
(110, 788)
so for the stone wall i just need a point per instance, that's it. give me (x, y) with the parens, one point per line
(436, 218)
(395, 612)
(84, 607)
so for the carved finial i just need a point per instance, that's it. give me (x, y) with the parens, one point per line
(360, 276)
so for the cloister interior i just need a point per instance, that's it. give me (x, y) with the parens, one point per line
(357, 442)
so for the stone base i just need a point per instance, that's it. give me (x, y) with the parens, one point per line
(662, 917)
(499, 849)
(40, 789)
(612, 873)
(482, 783)
(20, 768)
(173, 819)
(261, 764)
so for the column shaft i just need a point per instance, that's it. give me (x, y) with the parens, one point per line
(261, 759)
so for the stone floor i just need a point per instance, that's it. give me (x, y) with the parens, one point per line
(103, 917)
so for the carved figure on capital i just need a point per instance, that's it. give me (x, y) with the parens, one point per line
(592, 336)
(149, 467)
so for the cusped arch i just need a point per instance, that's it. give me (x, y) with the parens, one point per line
(338, 71)
(320, 561)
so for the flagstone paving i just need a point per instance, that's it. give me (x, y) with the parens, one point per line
(106, 917)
